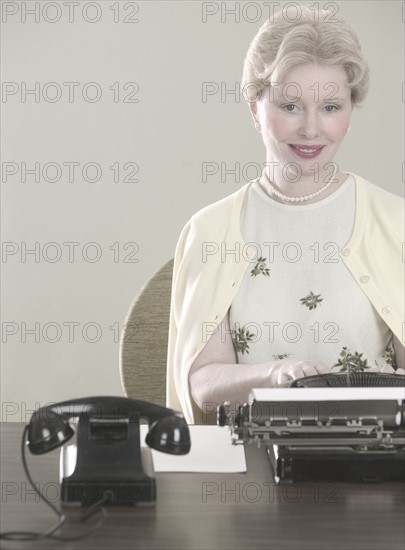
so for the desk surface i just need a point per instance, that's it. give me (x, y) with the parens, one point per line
(218, 511)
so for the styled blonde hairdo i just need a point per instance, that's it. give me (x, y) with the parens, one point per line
(281, 45)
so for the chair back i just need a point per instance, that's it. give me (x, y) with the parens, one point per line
(144, 339)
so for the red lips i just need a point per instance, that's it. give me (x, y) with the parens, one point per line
(310, 151)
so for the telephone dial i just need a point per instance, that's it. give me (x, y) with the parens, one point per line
(106, 455)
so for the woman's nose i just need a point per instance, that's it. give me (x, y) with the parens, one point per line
(310, 126)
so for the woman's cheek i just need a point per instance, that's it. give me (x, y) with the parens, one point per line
(338, 127)
(278, 125)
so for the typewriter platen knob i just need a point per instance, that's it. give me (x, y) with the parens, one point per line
(239, 416)
(222, 413)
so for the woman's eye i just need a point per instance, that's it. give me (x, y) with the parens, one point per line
(333, 108)
(329, 108)
(287, 107)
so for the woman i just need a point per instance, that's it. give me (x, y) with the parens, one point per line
(299, 272)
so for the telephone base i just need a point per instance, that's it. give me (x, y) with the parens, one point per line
(123, 493)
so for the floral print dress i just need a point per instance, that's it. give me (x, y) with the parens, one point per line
(298, 299)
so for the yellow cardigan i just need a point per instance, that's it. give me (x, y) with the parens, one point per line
(211, 258)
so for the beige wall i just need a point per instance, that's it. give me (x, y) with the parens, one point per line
(74, 297)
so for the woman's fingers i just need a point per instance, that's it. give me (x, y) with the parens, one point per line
(283, 376)
(289, 372)
(300, 369)
(309, 370)
(322, 368)
(296, 373)
(388, 369)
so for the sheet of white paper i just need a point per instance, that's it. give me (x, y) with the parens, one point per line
(211, 451)
(326, 394)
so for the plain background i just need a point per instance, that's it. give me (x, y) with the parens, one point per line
(63, 307)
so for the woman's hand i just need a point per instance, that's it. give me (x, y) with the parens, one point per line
(283, 371)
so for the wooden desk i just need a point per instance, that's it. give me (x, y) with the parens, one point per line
(218, 511)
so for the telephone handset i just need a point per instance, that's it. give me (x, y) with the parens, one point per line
(107, 452)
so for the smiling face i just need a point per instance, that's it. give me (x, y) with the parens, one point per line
(305, 118)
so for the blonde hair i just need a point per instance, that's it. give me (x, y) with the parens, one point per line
(281, 44)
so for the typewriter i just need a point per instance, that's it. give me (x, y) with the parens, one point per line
(333, 427)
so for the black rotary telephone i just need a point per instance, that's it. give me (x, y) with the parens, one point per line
(108, 456)
(106, 466)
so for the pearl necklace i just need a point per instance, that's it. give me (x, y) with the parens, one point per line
(305, 197)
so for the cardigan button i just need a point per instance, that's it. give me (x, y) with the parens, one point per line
(364, 279)
(386, 310)
(346, 252)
